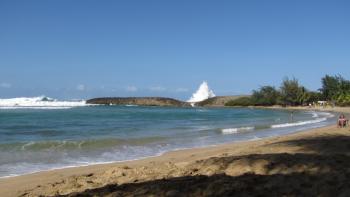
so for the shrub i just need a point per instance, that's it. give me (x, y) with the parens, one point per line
(265, 96)
(242, 101)
(293, 94)
(343, 100)
(334, 86)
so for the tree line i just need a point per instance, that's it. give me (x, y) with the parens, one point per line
(335, 90)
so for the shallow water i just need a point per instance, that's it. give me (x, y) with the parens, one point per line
(41, 139)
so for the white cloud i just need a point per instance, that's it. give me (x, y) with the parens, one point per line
(181, 90)
(81, 87)
(157, 89)
(131, 89)
(5, 85)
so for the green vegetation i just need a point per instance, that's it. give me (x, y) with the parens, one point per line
(265, 96)
(335, 90)
(242, 101)
(343, 100)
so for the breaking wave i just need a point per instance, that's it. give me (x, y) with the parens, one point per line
(319, 117)
(203, 92)
(325, 116)
(41, 102)
(89, 144)
(236, 130)
(301, 123)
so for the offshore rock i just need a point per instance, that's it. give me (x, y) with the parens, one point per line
(142, 101)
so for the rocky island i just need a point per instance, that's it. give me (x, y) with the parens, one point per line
(217, 101)
(143, 101)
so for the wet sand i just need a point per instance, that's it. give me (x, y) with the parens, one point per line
(309, 163)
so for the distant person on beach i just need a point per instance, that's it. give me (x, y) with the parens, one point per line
(291, 116)
(342, 121)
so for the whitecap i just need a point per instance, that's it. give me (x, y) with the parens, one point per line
(300, 123)
(40, 102)
(236, 130)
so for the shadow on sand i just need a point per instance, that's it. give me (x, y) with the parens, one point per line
(324, 172)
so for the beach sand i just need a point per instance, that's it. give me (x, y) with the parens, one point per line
(309, 163)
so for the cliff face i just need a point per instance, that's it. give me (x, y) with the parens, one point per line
(143, 101)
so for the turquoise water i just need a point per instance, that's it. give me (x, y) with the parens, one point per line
(40, 139)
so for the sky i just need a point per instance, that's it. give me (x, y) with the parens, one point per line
(83, 48)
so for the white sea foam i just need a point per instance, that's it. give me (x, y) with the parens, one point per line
(319, 117)
(40, 102)
(326, 114)
(203, 92)
(314, 115)
(27, 144)
(255, 138)
(236, 130)
(131, 105)
(300, 123)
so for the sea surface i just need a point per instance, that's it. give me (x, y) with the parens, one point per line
(41, 137)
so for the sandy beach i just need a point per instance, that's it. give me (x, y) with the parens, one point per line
(307, 163)
(174, 98)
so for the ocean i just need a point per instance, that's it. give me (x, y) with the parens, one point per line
(41, 133)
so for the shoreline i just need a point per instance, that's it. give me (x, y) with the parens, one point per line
(307, 108)
(292, 130)
(28, 184)
(188, 148)
(157, 155)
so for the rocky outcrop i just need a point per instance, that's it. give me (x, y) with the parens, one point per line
(143, 101)
(218, 101)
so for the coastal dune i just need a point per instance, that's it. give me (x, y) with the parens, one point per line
(308, 163)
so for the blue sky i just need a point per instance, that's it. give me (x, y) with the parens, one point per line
(82, 49)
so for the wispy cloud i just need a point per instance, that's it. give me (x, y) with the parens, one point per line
(181, 90)
(81, 87)
(131, 89)
(5, 85)
(157, 89)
